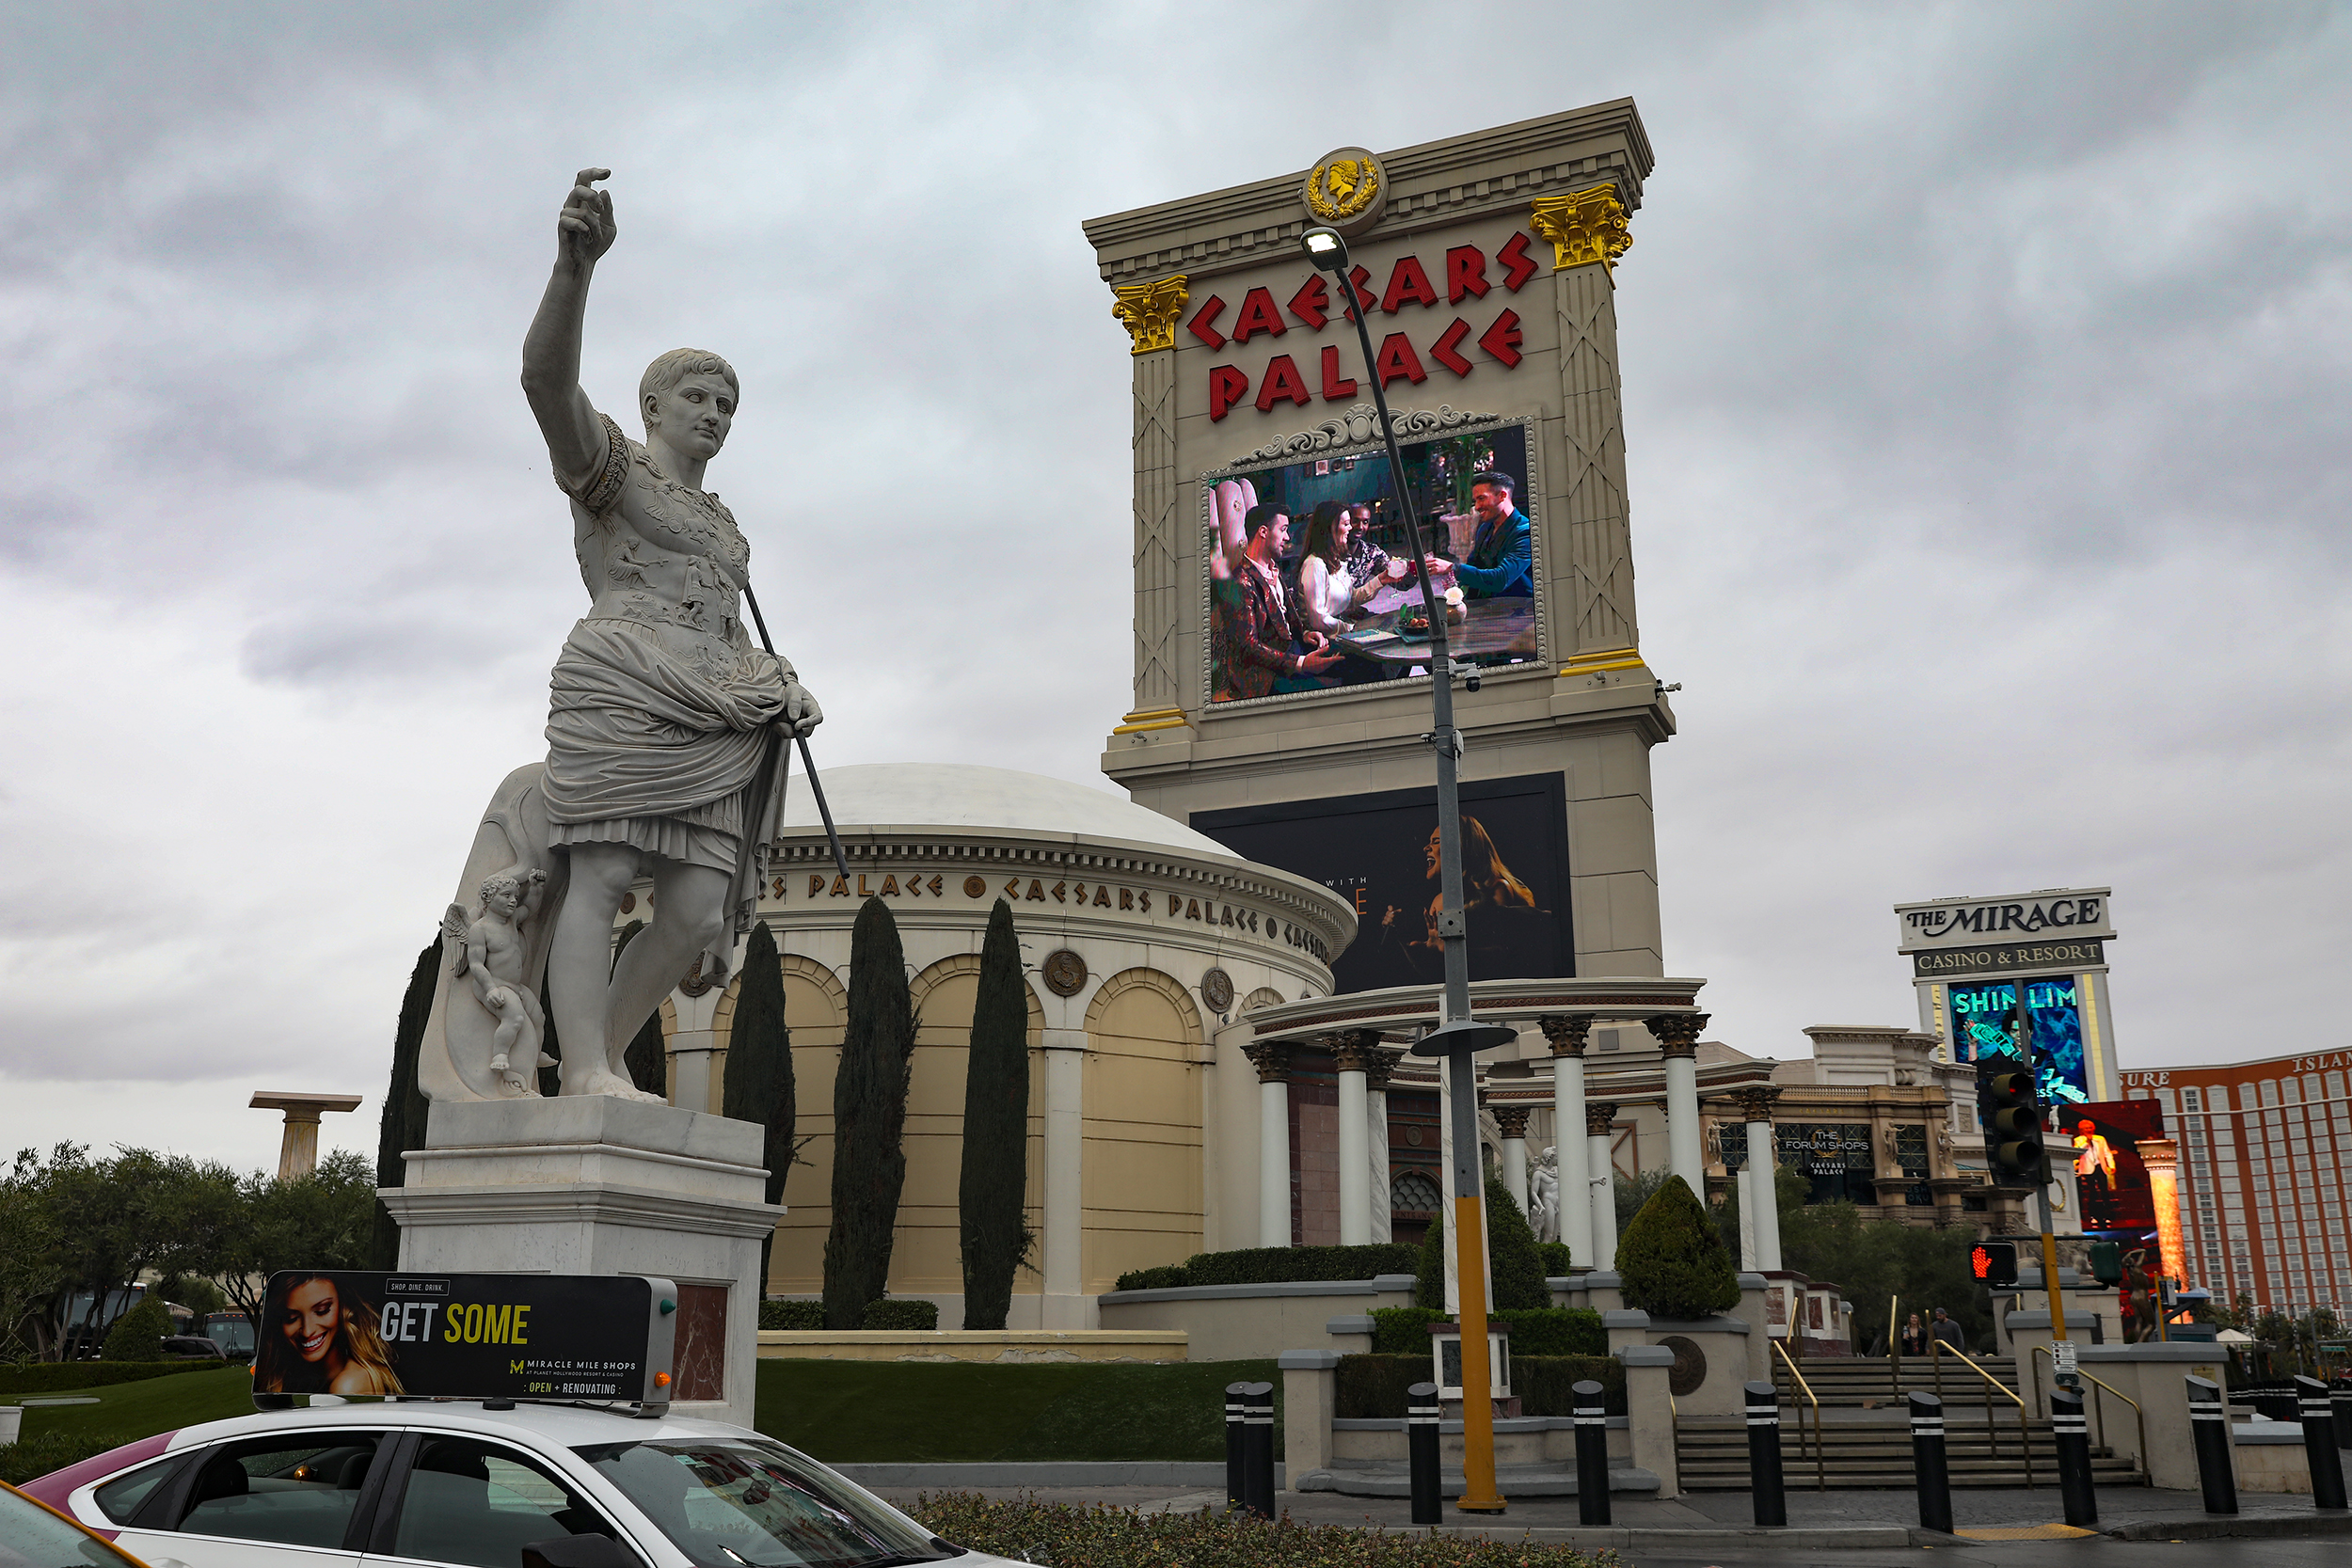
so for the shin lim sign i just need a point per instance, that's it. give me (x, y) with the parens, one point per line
(465, 1336)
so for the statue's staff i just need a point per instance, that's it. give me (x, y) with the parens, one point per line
(807, 764)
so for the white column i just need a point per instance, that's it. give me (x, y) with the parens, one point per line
(695, 1049)
(1678, 1036)
(1567, 1036)
(1065, 1302)
(1273, 1061)
(1759, 1196)
(1601, 1206)
(1513, 1120)
(1376, 1145)
(1350, 1050)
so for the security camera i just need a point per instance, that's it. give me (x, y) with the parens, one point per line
(1470, 682)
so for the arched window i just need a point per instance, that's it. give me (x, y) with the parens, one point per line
(1415, 1192)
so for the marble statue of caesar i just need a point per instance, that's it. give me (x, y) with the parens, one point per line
(663, 709)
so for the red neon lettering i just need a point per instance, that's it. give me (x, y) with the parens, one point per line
(1334, 386)
(1258, 314)
(1446, 351)
(1227, 385)
(1203, 324)
(1407, 285)
(1312, 304)
(1464, 272)
(1396, 359)
(1502, 340)
(1283, 380)
(1516, 268)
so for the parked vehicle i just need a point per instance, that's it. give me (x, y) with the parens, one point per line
(231, 1331)
(475, 1482)
(32, 1532)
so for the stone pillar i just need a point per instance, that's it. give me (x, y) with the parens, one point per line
(298, 1145)
(1513, 1120)
(1272, 1058)
(1353, 1049)
(1600, 1117)
(1677, 1036)
(696, 1053)
(1758, 1197)
(1065, 1303)
(1308, 1387)
(1379, 1066)
(1568, 1033)
(1149, 312)
(1649, 1410)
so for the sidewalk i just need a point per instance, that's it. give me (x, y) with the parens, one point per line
(1710, 1519)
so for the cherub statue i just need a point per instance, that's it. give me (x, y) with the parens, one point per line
(490, 949)
(1543, 1196)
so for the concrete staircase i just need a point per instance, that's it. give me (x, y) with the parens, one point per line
(1865, 1434)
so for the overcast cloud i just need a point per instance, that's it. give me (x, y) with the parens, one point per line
(1986, 404)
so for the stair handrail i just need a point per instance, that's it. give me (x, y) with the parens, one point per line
(1820, 1460)
(2099, 1411)
(1894, 1345)
(1937, 1350)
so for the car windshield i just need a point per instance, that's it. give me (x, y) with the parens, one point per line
(729, 1504)
(32, 1537)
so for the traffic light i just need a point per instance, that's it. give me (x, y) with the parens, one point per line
(2106, 1262)
(2011, 1117)
(1994, 1263)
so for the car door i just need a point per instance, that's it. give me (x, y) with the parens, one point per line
(289, 1500)
(459, 1501)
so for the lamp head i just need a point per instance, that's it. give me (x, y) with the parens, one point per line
(1324, 249)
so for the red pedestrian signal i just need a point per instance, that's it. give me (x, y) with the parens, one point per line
(1993, 1264)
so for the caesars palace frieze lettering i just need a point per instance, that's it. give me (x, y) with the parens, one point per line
(1464, 272)
(1116, 899)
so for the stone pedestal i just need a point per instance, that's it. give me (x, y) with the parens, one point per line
(590, 1184)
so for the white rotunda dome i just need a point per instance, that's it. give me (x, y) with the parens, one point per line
(963, 794)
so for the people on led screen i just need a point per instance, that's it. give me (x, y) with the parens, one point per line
(1270, 646)
(1501, 562)
(315, 1341)
(1367, 563)
(1327, 589)
(1505, 925)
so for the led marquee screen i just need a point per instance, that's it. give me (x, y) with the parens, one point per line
(1379, 849)
(1321, 596)
(1983, 1010)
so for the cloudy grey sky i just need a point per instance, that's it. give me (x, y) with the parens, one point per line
(1986, 399)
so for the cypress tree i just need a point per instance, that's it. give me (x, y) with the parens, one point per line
(759, 1082)
(996, 1234)
(869, 1111)
(1672, 1259)
(1512, 1262)
(647, 1058)
(402, 1126)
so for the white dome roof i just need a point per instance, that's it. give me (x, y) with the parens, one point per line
(958, 795)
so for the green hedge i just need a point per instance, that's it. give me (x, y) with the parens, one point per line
(1062, 1535)
(1369, 1387)
(888, 1313)
(792, 1314)
(1276, 1265)
(1557, 1263)
(1535, 1331)
(31, 1458)
(51, 1377)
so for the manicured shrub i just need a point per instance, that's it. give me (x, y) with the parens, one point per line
(1556, 1258)
(1168, 1276)
(1278, 1265)
(888, 1313)
(401, 1127)
(990, 1204)
(31, 1458)
(1404, 1330)
(1512, 1262)
(1545, 1383)
(869, 1114)
(1535, 1331)
(1672, 1257)
(1060, 1535)
(803, 1315)
(138, 1334)
(1372, 1388)
(759, 1087)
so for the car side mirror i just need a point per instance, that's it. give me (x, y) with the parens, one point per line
(579, 1551)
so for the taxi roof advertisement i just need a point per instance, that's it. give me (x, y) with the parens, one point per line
(466, 1336)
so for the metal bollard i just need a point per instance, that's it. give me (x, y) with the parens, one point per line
(1928, 1462)
(1236, 1411)
(1592, 1455)
(2209, 1426)
(2319, 1443)
(1765, 1486)
(1421, 1415)
(2340, 1394)
(2072, 1430)
(1257, 1450)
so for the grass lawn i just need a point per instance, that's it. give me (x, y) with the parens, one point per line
(129, 1411)
(865, 1412)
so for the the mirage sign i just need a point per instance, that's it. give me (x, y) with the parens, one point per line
(2076, 915)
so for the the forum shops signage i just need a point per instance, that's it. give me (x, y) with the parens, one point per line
(466, 1336)
(2072, 915)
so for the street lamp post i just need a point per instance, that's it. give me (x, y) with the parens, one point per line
(1457, 1036)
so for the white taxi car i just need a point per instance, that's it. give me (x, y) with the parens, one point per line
(485, 1485)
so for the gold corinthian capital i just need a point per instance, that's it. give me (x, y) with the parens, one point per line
(1150, 310)
(1583, 227)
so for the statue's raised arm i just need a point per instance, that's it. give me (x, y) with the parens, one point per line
(584, 230)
